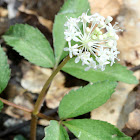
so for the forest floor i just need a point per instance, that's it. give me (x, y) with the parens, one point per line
(122, 110)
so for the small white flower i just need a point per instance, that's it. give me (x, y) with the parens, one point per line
(101, 37)
(85, 58)
(79, 56)
(108, 19)
(92, 64)
(72, 35)
(92, 41)
(72, 22)
(102, 62)
(112, 56)
(73, 50)
(102, 53)
(112, 44)
(85, 18)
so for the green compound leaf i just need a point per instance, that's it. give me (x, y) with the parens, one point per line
(116, 72)
(1, 105)
(55, 132)
(31, 44)
(83, 100)
(87, 129)
(4, 70)
(71, 8)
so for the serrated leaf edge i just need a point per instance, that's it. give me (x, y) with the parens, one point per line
(81, 88)
(125, 136)
(5, 67)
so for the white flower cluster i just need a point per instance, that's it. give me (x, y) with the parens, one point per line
(94, 44)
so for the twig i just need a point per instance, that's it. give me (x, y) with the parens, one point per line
(43, 116)
(15, 106)
(25, 109)
(135, 68)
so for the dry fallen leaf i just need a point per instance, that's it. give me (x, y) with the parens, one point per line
(105, 7)
(34, 78)
(134, 120)
(132, 126)
(43, 122)
(3, 20)
(129, 47)
(111, 110)
(54, 97)
(45, 22)
(17, 95)
(17, 113)
(129, 42)
(3, 12)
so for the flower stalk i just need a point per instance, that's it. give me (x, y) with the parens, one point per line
(41, 98)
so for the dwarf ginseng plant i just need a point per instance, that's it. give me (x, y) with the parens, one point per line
(85, 46)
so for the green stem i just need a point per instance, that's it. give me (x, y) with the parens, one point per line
(33, 127)
(41, 98)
